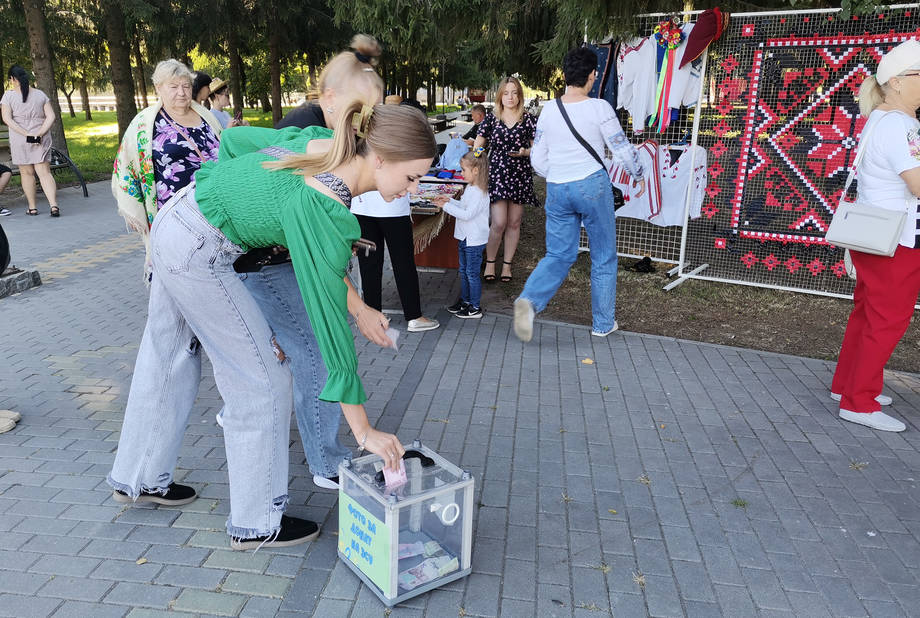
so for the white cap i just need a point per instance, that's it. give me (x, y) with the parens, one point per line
(904, 57)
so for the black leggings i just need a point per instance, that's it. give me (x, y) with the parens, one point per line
(397, 232)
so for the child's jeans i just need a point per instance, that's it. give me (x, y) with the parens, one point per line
(470, 263)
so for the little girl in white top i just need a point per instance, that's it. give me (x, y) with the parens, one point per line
(471, 229)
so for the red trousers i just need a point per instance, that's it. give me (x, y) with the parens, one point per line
(883, 303)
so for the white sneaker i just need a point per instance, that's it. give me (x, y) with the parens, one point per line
(219, 418)
(420, 325)
(875, 420)
(523, 319)
(5, 213)
(331, 482)
(598, 333)
(883, 400)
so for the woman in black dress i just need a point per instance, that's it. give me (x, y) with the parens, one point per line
(510, 132)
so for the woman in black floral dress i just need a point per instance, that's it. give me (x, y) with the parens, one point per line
(510, 132)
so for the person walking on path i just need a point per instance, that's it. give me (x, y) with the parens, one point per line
(577, 192)
(28, 113)
(510, 133)
(886, 287)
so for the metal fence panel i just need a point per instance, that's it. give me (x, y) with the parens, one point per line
(780, 122)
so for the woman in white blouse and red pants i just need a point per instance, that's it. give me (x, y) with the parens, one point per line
(886, 287)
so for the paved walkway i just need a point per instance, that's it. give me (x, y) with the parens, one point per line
(631, 475)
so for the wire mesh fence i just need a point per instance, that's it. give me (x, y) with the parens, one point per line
(652, 224)
(780, 122)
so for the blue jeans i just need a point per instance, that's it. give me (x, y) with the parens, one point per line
(277, 293)
(470, 263)
(568, 205)
(195, 292)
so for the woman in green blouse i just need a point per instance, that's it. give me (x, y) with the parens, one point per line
(268, 188)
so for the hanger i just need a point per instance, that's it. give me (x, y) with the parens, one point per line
(684, 140)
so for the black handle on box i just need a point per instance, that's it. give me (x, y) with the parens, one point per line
(427, 462)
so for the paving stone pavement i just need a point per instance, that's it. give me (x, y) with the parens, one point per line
(666, 478)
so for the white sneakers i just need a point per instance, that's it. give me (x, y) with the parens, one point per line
(875, 420)
(8, 420)
(598, 333)
(883, 400)
(421, 324)
(523, 319)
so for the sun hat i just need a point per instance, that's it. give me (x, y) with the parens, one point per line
(904, 57)
(216, 84)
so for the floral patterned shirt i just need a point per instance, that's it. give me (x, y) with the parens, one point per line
(175, 158)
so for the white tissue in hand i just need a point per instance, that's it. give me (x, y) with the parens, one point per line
(393, 334)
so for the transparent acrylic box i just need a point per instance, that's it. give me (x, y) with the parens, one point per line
(406, 540)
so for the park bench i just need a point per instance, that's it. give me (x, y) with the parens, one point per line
(59, 160)
(467, 116)
(440, 123)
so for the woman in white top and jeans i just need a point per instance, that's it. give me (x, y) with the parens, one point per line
(577, 191)
(886, 287)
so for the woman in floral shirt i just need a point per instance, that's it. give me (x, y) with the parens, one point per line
(162, 148)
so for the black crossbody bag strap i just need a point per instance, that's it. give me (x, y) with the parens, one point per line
(578, 137)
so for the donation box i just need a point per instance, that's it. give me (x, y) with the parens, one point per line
(410, 536)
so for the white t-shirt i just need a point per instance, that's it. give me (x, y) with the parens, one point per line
(372, 204)
(472, 214)
(893, 147)
(558, 156)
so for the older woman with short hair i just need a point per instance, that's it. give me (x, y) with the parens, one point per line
(162, 148)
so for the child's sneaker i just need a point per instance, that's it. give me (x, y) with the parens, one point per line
(457, 307)
(469, 312)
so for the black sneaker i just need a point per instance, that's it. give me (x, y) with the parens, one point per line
(294, 531)
(457, 307)
(470, 313)
(176, 495)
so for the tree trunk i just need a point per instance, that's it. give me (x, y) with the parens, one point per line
(67, 95)
(266, 104)
(84, 98)
(274, 51)
(120, 61)
(42, 65)
(311, 67)
(139, 61)
(236, 69)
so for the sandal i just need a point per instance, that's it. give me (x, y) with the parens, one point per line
(32, 212)
(505, 278)
(489, 278)
(55, 211)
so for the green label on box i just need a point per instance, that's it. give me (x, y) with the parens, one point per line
(365, 541)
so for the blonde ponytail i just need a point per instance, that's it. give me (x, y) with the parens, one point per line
(870, 95)
(353, 70)
(393, 132)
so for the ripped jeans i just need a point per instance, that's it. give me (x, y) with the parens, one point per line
(196, 293)
(277, 293)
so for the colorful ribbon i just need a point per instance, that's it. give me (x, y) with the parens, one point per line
(669, 36)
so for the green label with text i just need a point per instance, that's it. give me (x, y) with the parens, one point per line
(365, 541)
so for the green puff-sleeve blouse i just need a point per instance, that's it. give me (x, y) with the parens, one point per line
(255, 207)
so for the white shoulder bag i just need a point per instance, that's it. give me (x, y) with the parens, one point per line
(859, 226)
